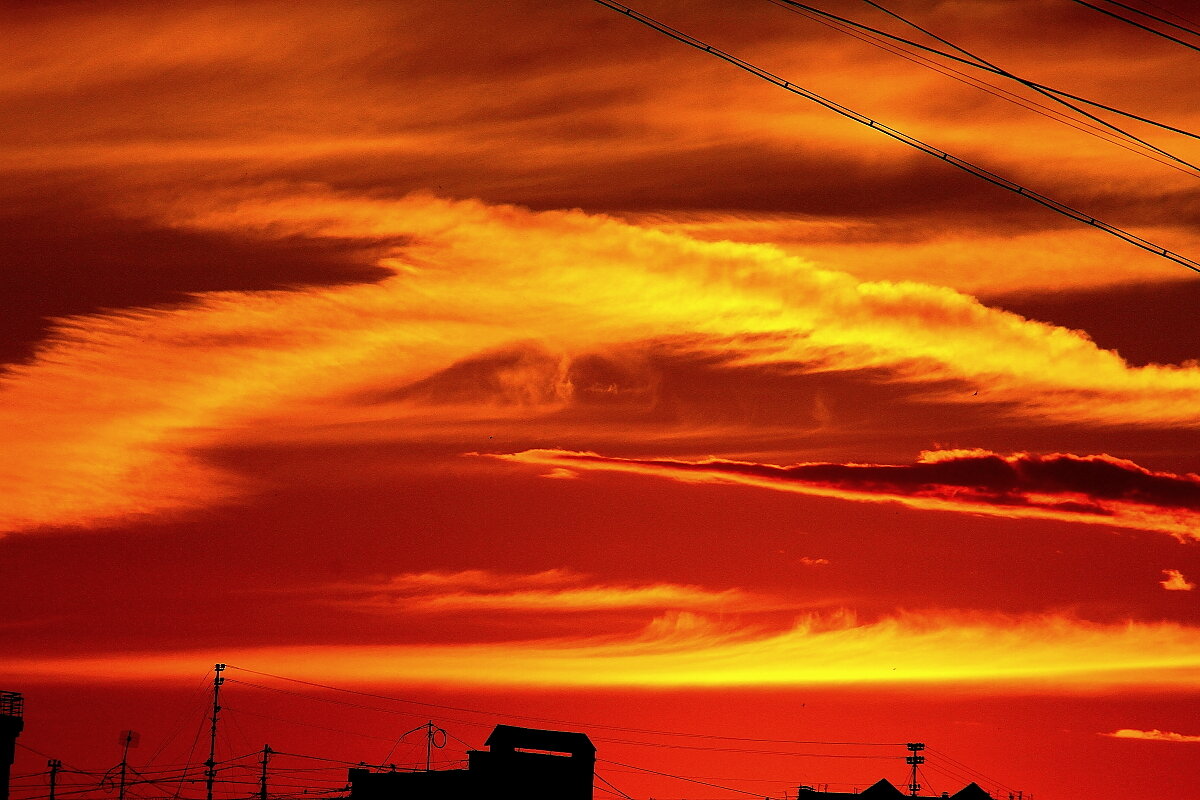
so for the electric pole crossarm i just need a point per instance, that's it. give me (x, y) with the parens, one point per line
(210, 772)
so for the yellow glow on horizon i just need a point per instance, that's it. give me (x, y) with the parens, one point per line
(989, 653)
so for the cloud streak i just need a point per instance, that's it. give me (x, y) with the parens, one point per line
(396, 99)
(553, 592)
(1096, 489)
(110, 417)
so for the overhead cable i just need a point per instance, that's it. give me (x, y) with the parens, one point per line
(1156, 18)
(867, 34)
(1029, 84)
(942, 53)
(679, 777)
(493, 713)
(1137, 24)
(965, 166)
(606, 739)
(618, 791)
(979, 775)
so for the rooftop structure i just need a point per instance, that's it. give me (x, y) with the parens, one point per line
(12, 704)
(12, 709)
(528, 763)
(885, 790)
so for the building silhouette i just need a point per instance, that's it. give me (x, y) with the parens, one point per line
(525, 763)
(885, 790)
(12, 722)
(528, 763)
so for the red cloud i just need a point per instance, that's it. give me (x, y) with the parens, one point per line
(1094, 489)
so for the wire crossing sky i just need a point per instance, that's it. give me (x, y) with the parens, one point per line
(1045, 93)
(1136, 24)
(797, 7)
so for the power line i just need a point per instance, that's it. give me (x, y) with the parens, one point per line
(742, 750)
(494, 713)
(192, 752)
(618, 791)
(605, 739)
(795, 5)
(1172, 13)
(463, 709)
(680, 777)
(183, 717)
(1137, 24)
(969, 770)
(879, 39)
(306, 724)
(1147, 14)
(1023, 82)
(965, 166)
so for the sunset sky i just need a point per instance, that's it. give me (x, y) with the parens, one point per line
(514, 358)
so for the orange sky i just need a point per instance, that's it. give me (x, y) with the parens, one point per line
(515, 357)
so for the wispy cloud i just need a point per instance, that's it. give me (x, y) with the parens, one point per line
(478, 580)
(109, 419)
(594, 121)
(1095, 489)
(552, 591)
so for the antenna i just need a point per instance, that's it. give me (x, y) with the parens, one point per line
(431, 732)
(210, 774)
(914, 761)
(431, 741)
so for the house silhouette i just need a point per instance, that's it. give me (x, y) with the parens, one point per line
(885, 790)
(529, 763)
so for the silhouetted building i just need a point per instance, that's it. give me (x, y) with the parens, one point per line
(12, 722)
(523, 763)
(884, 790)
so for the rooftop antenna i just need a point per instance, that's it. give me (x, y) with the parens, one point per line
(210, 773)
(914, 761)
(432, 733)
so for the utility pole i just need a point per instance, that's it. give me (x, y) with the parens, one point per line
(55, 765)
(124, 763)
(262, 783)
(128, 739)
(210, 774)
(914, 761)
